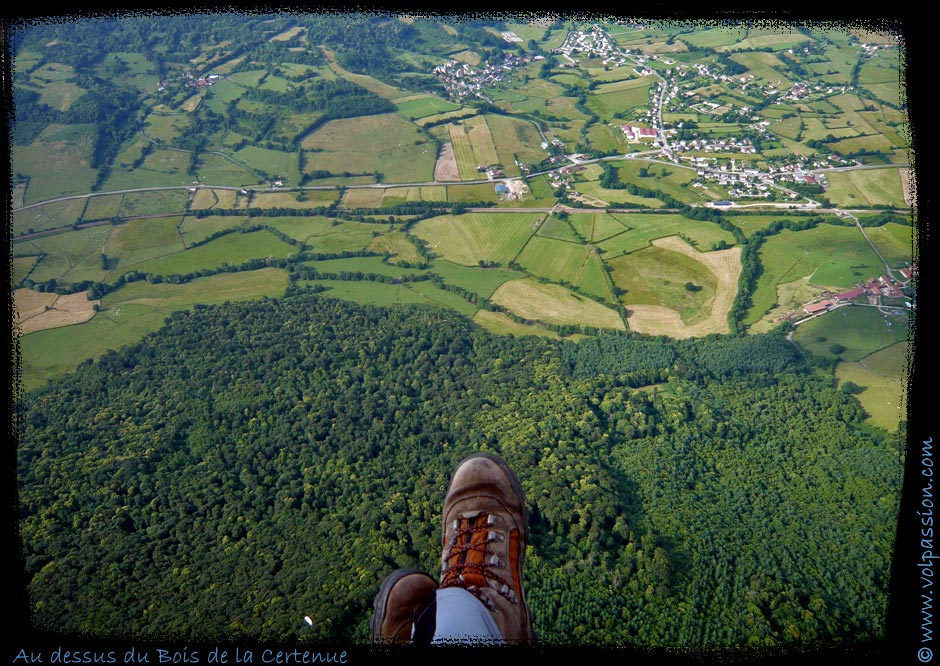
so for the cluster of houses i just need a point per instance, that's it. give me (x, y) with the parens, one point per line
(491, 171)
(462, 80)
(747, 182)
(593, 43)
(201, 81)
(873, 290)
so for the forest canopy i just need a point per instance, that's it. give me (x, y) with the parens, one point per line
(253, 463)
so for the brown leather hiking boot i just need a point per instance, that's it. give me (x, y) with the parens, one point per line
(485, 525)
(402, 596)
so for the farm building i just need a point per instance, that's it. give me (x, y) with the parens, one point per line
(637, 133)
(849, 295)
(817, 308)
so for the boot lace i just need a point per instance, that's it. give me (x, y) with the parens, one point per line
(468, 564)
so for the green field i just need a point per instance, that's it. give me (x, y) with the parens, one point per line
(499, 323)
(558, 229)
(274, 163)
(365, 265)
(556, 260)
(657, 276)
(423, 106)
(326, 235)
(195, 229)
(154, 203)
(596, 227)
(871, 187)
(161, 168)
(514, 139)
(477, 237)
(611, 98)
(102, 207)
(56, 162)
(141, 241)
(716, 37)
(553, 304)
(836, 257)
(67, 256)
(130, 313)
(399, 247)
(380, 293)
(386, 144)
(861, 330)
(481, 281)
(645, 228)
(54, 215)
(895, 242)
(883, 378)
(232, 249)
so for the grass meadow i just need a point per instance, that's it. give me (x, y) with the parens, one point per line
(883, 377)
(610, 98)
(553, 304)
(384, 143)
(830, 256)
(472, 238)
(657, 276)
(56, 163)
(870, 187)
(399, 246)
(327, 235)
(861, 330)
(644, 228)
(387, 294)
(53, 215)
(232, 249)
(130, 313)
(895, 242)
(421, 106)
(479, 280)
(366, 265)
(73, 255)
(194, 230)
(555, 260)
(499, 323)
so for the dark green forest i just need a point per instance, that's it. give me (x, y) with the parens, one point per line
(253, 463)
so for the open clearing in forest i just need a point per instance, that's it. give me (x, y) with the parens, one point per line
(725, 265)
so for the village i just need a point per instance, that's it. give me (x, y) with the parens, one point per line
(711, 156)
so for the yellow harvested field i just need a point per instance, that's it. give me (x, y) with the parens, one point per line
(553, 304)
(725, 265)
(446, 167)
(499, 323)
(37, 311)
